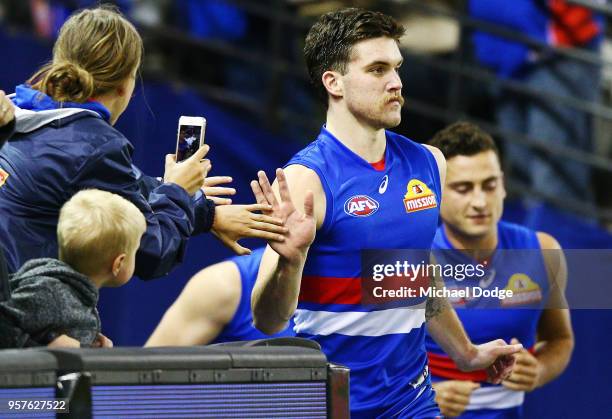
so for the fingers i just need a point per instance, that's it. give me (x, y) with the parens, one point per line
(266, 219)
(309, 204)
(219, 201)
(200, 153)
(506, 349)
(520, 378)
(266, 235)
(217, 190)
(258, 193)
(283, 186)
(454, 397)
(235, 246)
(267, 188)
(523, 371)
(450, 409)
(513, 386)
(170, 158)
(465, 388)
(218, 180)
(259, 207)
(239, 250)
(257, 225)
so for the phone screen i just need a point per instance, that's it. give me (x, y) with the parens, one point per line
(188, 141)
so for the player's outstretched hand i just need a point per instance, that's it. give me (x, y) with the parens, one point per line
(453, 396)
(301, 226)
(235, 222)
(188, 174)
(496, 357)
(218, 194)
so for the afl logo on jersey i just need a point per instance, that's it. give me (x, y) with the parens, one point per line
(360, 206)
(419, 197)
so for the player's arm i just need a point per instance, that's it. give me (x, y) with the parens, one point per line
(555, 341)
(441, 162)
(446, 329)
(275, 295)
(207, 303)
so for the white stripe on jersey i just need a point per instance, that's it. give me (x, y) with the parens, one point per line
(496, 397)
(360, 323)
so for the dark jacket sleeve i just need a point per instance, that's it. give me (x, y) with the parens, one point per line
(23, 319)
(204, 208)
(168, 209)
(6, 132)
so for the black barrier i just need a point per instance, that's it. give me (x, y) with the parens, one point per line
(27, 384)
(245, 380)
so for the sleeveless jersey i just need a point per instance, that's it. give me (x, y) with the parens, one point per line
(524, 273)
(395, 208)
(241, 326)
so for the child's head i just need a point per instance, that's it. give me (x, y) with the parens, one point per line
(98, 234)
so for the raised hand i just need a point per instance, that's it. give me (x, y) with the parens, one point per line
(301, 227)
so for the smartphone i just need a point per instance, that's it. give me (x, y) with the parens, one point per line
(190, 136)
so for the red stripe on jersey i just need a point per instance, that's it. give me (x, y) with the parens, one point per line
(330, 290)
(443, 366)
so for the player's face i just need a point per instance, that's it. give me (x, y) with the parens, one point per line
(372, 89)
(474, 194)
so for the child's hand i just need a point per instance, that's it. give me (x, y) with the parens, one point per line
(102, 342)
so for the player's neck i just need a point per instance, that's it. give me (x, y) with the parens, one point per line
(459, 241)
(365, 141)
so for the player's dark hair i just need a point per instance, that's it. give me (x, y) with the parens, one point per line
(463, 139)
(330, 40)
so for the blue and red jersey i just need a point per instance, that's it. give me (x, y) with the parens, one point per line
(393, 208)
(516, 265)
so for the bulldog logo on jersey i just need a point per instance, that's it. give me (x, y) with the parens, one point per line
(419, 197)
(360, 206)
(524, 290)
(3, 177)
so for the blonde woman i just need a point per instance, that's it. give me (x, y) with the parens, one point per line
(64, 141)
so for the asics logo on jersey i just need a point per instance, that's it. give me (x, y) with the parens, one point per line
(383, 185)
(360, 206)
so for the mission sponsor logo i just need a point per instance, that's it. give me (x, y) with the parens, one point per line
(419, 197)
(524, 289)
(360, 206)
(3, 177)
